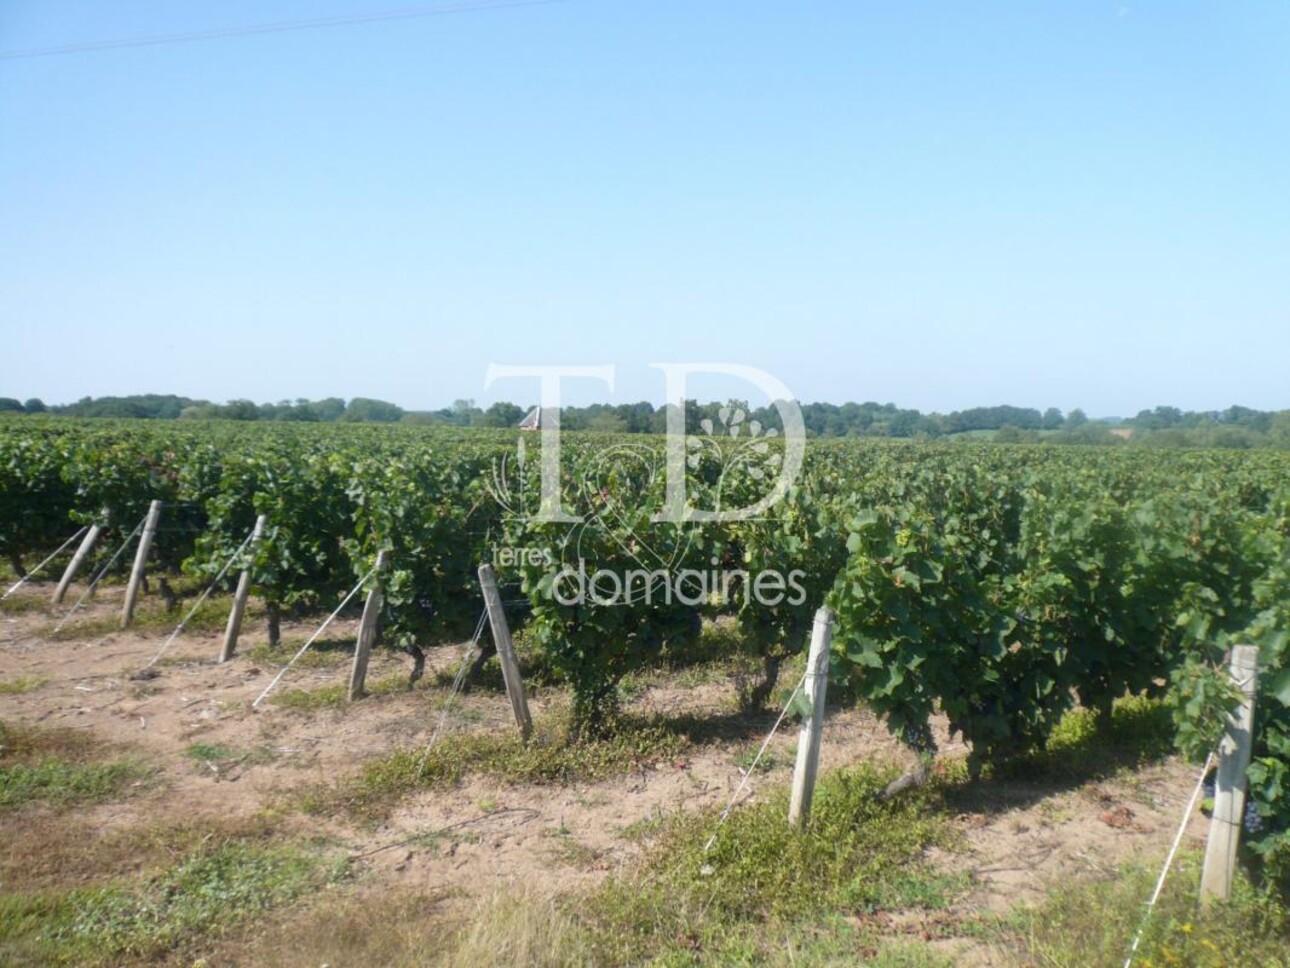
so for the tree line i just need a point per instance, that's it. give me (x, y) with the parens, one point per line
(1235, 427)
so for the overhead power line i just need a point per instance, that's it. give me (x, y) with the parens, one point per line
(281, 26)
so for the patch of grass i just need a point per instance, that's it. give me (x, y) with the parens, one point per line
(16, 687)
(707, 673)
(745, 760)
(644, 828)
(519, 930)
(392, 929)
(1092, 924)
(569, 850)
(522, 929)
(549, 757)
(337, 696)
(208, 892)
(211, 615)
(57, 767)
(150, 615)
(762, 881)
(631, 687)
(1141, 732)
(48, 851)
(323, 654)
(63, 784)
(25, 744)
(207, 752)
(22, 604)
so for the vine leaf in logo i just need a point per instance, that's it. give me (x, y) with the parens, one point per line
(753, 454)
(507, 482)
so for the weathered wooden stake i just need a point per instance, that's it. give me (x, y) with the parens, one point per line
(87, 545)
(505, 651)
(140, 563)
(234, 628)
(367, 631)
(808, 740)
(1229, 788)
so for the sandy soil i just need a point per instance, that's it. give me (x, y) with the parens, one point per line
(1019, 839)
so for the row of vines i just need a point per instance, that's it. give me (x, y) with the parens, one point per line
(1000, 586)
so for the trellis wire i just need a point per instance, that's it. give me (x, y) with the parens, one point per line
(61, 548)
(1164, 873)
(283, 671)
(456, 688)
(206, 594)
(753, 766)
(103, 571)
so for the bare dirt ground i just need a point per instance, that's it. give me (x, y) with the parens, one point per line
(1020, 837)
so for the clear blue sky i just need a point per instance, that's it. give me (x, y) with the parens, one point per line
(941, 205)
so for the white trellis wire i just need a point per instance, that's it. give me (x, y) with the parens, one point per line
(205, 595)
(61, 548)
(456, 688)
(283, 671)
(1164, 873)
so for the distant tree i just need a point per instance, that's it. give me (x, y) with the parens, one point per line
(659, 422)
(1161, 418)
(10, 405)
(904, 424)
(502, 414)
(329, 409)
(927, 427)
(240, 410)
(607, 422)
(302, 411)
(988, 418)
(1053, 419)
(1076, 418)
(365, 410)
(1279, 428)
(200, 411)
(637, 416)
(147, 406)
(1233, 437)
(428, 418)
(1237, 416)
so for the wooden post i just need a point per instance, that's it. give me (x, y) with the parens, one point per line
(367, 632)
(505, 651)
(1229, 788)
(87, 545)
(808, 740)
(234, 627)
(140, 563)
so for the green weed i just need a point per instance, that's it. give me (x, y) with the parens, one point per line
(210, 891)
(549, 757)
(151, 615)
(323, 654)
(1091, 925)
(337, 696)
(762, 882)
(57, 767)
(16, 687)
(62, 783)
(1141, 731)
(207, 752)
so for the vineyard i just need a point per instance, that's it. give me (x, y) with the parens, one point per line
(999, 587)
